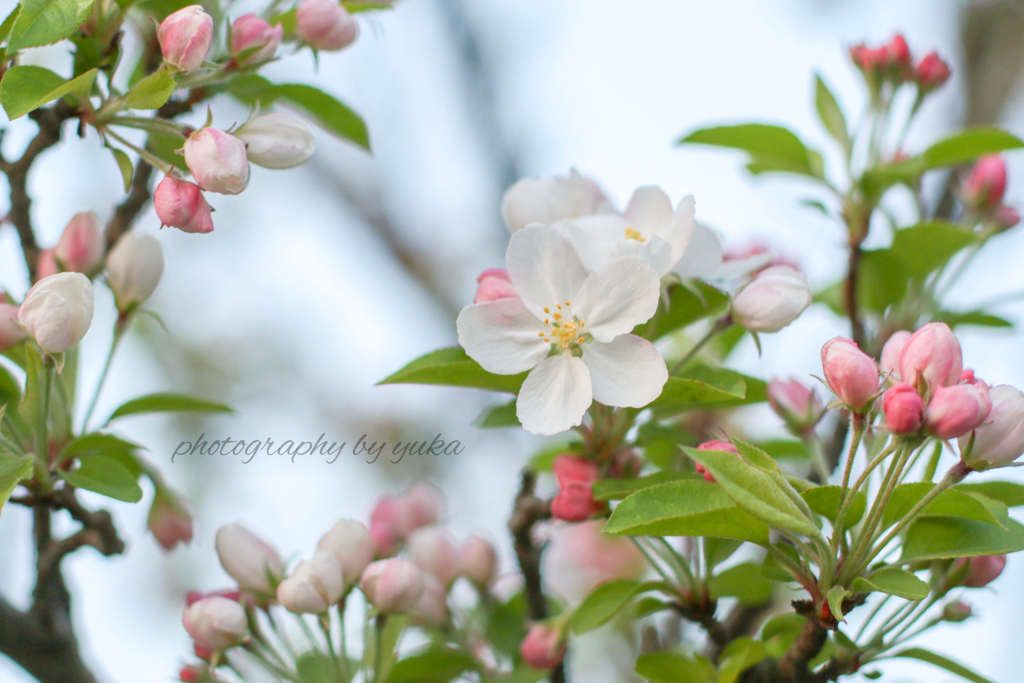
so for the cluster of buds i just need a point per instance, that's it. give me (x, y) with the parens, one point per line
(983, 190)
(893, 63)
(575, 499)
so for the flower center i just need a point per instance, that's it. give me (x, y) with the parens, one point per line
(565, 330)
(634, 234)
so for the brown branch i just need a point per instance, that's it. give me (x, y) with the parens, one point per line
(128, 210)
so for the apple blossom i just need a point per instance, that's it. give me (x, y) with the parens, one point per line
(277, 140)
(850, 373)
(57, 311)
(216, 623)
(543, 648)
(931, 358)
(1000, 439)
(570, 329)
(477, 560)
(325, 25)
(433, 551)
(956, 410)
(351, 545)
(393, 585)
(185, 37)
(248, 559)
(81, 246)
(217, 161)
(796, 403)
(11, 333)
(904, 409)
(169, 519)
(931, 72)
(180, 204)
(981, 570)
(493, 284)
(46, 264)
(250, 32)
(890, 360)
(772, 300)
(134, 268)
(313, 586)
(550, 200)
(986, 183)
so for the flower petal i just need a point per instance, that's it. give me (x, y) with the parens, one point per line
(617, 298)
(502, 336)
(702, 256)
(596, 237)
(627, 371)
(649, 208)
(544, 268)
(655, 251)
(555, 395)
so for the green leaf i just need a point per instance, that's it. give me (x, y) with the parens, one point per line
(685, 508)
(830, 114)
(617, 489)
(771, 148)
(152, 92)
(893, 581)
(949, 665)
(314, 666)
(825, 501)
(106, 445)
(12, 470)
(926, 247)
(685, 394)
(503, 415)
(42, 22)
(124, 164)
(968, 145)
(435, 664)
(773, 570)
(718, 550)
(977, 317)
(666, 666)
(952, 502)
(8, 24)
(742, 581)
(685, 307)
(738, 656)
(452, 367)
(939, 538)
(10, 390)
(168, 403)
(25, 88)
(106, 475)
(603, 603)
(784, 449)
(835, 597)
(1008, 493)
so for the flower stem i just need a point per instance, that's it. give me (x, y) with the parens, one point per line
(723, 323)
(119, 328)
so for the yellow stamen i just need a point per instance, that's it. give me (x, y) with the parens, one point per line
(633, 234)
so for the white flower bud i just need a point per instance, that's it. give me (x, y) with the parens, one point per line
(248, 559)
(477, 560)
(393, 585)
(134, 268)
(58, 311)
(433, 551)
(277, 140)
(216, 623)
(1000, 439)
(217, 161)
(314, 586)
(773, 299)
(351, 545)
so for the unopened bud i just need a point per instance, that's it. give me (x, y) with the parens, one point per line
(185, 38)
(325, 25)
(351, 545)
(216, 623)
(904, 409)
(478, 561)
(248, 559)
(981, 570)
(796, 403)
(11, 332)
(217, 161)
(850, 373)
(575, 503)
(986, 183)
(433, 551)
(392, 586)
(956, 612)
(169, 519)
(713, 445)
(931, 72)
(1000, 439)
(134, 268)
(772, 300)
(314, 586)
(251, 33)
(494, 284)
(931, 358)
(57, 311)
(543, 648)
(954, 411)
(277, 140)
(82, 246)
(890, 361)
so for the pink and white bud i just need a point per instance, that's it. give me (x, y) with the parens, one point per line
(904, 409)
(1000, 439)
(217, 161)
(424, 504)
(191, 674)
(169, 520)
(388, 523)
(570, 469)
(713, 445)
(433, 551)
(277, 140)
(796, 403)
(134, 268)
(392, 586)
(954, 411)
(891, 352)
(850, 373)
(325, 25)
(773, 299)
(494, 284)
(180, 204)
(350, 543)
(575, 503)
(543, 647)
(249, 560)
(82, 246)
(478, 561)
(216, 623)
(314, 586)
(956, 612)
(1006, 217)
(11, 333)
(981, 570)
(185, 38)
(253, 34)
(432, 607)
(931, 72)
(899, 53)
(931, 358)
(57, 311)
(46, 264)
(986, 184)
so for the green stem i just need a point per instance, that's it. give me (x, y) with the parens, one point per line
(378, 654)
(119, 329)
(269, 665)
(723, 323)
(847, 496)
(933, 463)
(651, 561)
(150, 158)
(42, 441)
(325, 626)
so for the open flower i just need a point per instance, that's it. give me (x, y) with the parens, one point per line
(570, 329)
(649, 229)
(549, 200)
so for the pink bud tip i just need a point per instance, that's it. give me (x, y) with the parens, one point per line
(904, 409)
(795, 403)
(180, 204)
(185, 37)
(325, 25)
(713, 445)
(543, 647)
(494, 284)
(982, 570)
(890, 360)
(573, 468)
(931, 72)
(956, 410)
(850, 373)
(253, 34)
(986, 184)
(575, 503)
(931, 358)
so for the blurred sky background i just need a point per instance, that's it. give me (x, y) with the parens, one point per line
(320, 281)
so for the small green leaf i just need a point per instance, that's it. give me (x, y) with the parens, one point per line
(685, 307)
(738, 656)
(25, 88)
(771, 148)
(42, 22)
(452, 367)
(835, 597)
(105, 475)
(124, 164)
(12, 470)
(106, 445)
(951, 502)
(666, 666)
(1008, 493)
(825, 501)
(830, 114)
(978, 318)
(503, 415)
(949, 665)
(151, 92)
(685, 394)
(617, 489)
(435, 664)
(742, 581)
(604, 602)
(8, 23)
(168, 403)
(968, 145)
(898, 582)
(314, 666)
(10, 390)
(939, 538)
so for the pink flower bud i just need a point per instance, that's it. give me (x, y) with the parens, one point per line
(573, 468)
(981, 570)
(423, 505)
(575, 503)
(986, 184)
(713, 445)
(216, 623)
(543, 647)
(392, 586)
(931, 72)
(351, 545)
(185, 37)
(325, 25)
(904, 409)
(956, 612)
(956, 410)
(1006, 217)
(134, 268)
(57, 311)
(850, 373)
(433, 551)
(249, 32)
(432, 607)
(11, 333)
(899, 53)
(478, 561)
(1000, 439)
(82, 246)
(494, 284)
(931, 358)
(891, 352)
(190, 674)
(314, 586)
(180, 204)
(247, 559)
(46, 265)
(169, 519)
(388, 524)
(217, 161)
(795, 403)
(773, 299)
